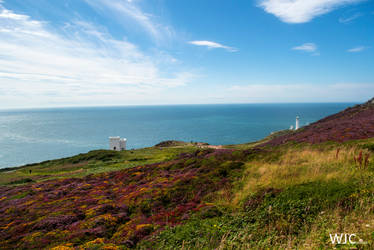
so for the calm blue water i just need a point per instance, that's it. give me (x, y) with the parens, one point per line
(28, 136)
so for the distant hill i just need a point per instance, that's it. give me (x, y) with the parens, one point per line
(351, 124)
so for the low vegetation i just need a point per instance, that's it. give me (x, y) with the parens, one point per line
(97, 161)
(288, 196)
(351, 124)
(293, 197)
(193, 196)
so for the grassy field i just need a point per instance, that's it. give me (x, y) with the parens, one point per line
(291, 196)
(93, 162)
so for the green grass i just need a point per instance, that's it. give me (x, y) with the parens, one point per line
(292, 196)
(280, 218)
(284, 197)
(93, 162)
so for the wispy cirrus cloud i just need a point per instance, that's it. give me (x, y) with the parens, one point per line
(307, 47)
(350, 18)
(301, 11)
(213, 45)
(357, 49)
(125, 11)
(78, 64)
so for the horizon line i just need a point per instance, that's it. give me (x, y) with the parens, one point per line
(159, 105)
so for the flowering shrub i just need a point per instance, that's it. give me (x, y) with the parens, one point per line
(114, 208)
(351, 124)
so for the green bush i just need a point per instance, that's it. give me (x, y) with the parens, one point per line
(21, 181)
(297, 206)
(369, 146)
(277, 213)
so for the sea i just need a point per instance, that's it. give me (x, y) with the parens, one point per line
(35, 135)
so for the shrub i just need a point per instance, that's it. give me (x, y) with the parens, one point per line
(298, 205)
(21, 181)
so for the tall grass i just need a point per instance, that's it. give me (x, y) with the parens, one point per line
(292, 197)
(301, 165)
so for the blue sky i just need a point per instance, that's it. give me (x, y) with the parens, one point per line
(138, 52)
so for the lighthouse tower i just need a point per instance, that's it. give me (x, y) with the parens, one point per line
(297, 123)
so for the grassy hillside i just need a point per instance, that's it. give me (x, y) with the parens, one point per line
(286, 196)
(351, 124)
(192, 196)
(290, 197)
(97, 161)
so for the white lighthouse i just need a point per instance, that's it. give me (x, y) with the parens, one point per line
(297, 123)
(117, 144)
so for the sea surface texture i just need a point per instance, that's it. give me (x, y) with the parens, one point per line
(28, 136)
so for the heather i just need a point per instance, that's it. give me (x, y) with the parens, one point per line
(177, 195)
(122, 207)
(351, 124)
(292, 197)
(97, 161)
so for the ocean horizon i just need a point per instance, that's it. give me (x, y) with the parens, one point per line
(34, 135)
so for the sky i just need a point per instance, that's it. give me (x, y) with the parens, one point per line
(155, 52)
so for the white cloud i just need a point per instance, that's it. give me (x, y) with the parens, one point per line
(341, 92)
(125, 11)
(80, 65)
(10, 15)
(357, 49)
(309, 48)
(350, 18)
(213, 45)
(301, 11)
